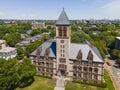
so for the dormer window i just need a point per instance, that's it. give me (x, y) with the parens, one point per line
(79, 56)
(47, 51)
(90, 58)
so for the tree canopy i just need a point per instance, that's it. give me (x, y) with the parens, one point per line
(16, 74)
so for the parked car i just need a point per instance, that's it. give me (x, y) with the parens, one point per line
(108, 63)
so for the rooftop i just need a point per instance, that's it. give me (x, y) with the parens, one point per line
(118, 37)
(63, 19)
(2, 41)
(74, 49)
(7, 49)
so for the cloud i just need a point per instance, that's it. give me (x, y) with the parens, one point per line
(112, 9)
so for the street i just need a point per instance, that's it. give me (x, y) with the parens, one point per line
(114, 72)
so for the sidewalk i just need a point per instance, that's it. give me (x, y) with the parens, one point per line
(60, 83)
(108, 68)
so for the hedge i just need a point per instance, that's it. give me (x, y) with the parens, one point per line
(49, 77)
(103, 85)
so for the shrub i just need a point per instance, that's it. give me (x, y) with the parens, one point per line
(103, 85)
(49, 77)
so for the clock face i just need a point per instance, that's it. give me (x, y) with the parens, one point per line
(62, 41)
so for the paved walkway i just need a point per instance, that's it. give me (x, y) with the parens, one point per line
(60, 83)
(112, 75)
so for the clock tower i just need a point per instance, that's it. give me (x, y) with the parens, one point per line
(63, 35)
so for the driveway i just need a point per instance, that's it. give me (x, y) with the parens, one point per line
(114, 72)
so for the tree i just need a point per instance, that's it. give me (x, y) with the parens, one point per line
(8, 75)
(52, 33)
(116, 53)
(45, 37)
(26, 72)
(101, 47)
(20, 53)
(118, 61)
(31, 47)
(35, 32)
(15, 74)
(12, 39)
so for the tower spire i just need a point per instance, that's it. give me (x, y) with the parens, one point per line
(63, 19)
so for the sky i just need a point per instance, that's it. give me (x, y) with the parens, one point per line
(50, 9)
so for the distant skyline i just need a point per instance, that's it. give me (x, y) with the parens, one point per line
(50, 9)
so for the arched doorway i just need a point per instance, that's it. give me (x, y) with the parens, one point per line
(62, 72)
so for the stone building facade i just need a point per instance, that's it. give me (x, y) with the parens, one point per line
(60, 57)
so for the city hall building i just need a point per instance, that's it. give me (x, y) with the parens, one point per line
(60, 57)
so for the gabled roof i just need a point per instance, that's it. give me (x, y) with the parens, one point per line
(87, 42)
(93, 48)
(51, 44)
(63, 19)
(73, 51)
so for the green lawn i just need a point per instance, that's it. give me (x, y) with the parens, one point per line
(108, 81)
(75, 86)
(40, 84)
(48, 84)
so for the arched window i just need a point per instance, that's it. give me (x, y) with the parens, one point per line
(90, 69)
(79, 68)
(95, 70)
(90, 58)
(60, 30)
(65, 31)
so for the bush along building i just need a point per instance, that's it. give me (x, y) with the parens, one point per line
(60, 57)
